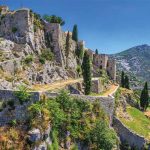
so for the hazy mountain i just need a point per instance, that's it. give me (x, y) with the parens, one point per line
(135, 61)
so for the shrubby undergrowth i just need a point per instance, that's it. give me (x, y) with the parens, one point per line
(73, 120)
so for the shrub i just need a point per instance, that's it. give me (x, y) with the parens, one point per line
(14, 29)
(28, 59)
(22, 94)
(79, 70)
(46, 55)
(42, 60)
(13, 123)
(10, 103)
(54, 19)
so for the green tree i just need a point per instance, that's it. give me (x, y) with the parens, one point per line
(67, 44)
(122, 79)
(144, 99)
(102, 137)
(126, 82)
(86, 72)
(54, 19)
(75, 33)
(79, 52)
(96, 51)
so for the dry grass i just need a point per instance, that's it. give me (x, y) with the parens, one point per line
(54, 86)
(11, 138)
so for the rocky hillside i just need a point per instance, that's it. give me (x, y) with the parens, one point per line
(135, 61)
(33, 50)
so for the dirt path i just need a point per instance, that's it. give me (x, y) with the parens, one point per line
(56, 85)
(112, 89)
(63, 83)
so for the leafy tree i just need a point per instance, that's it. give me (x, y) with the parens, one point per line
(122, 79)
(75, 33)
(126, 82)
(102, 137)
(54, 19)
(144, 99)
(96, 51)
(86, 72)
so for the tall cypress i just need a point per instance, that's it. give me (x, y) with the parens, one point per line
(126, 82)
(96, 51)
(144, 99)
(67, 44)
(86, 72)
(122, 79)
(75, 33)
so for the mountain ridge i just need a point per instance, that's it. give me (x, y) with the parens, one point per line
(135, 60)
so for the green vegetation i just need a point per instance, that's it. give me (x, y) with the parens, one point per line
(2, 105)
(138, 123)
(79, 52)
(86, 72)
(125, 81)
(14, 29)
(79, 70)
(67, 44)
(22, 94)
(122, 79)
(96, 51)
(84, 121)
(144, 99)
(46, 54)
(37, 20)
(54, 19)
(28, 59)
(75, 33)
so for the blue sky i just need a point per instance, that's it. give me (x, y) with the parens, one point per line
(108, 25)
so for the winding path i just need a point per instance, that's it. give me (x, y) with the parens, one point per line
(63, 83)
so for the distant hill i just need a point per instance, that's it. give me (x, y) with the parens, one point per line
(135, 61)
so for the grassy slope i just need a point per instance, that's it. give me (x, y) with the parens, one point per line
(139, 123)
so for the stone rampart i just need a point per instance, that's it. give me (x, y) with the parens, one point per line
(127, 135)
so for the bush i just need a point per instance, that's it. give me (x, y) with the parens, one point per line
(46, 55)
(54, 19)
(42, 60)
(14, 29)
(13, 123)
(22, 95)
(11, 103)
(28, 59)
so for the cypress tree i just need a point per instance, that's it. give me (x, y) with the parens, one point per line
(122, 79)
(79, 52)
(126, 82)
(96, 51)
(75, 33)
(86, 72)
(67, 44)
(144, 99)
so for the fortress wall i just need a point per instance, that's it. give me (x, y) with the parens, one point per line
(126, 134)
(111, 69)
(56, 39)
(18, 112)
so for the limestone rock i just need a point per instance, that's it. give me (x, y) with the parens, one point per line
(34, 135)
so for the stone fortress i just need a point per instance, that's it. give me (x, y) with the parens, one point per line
(22, 34)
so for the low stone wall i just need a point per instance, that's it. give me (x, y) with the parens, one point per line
(126, 134)
(17, 111)
(9, 95)
(107, 103)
